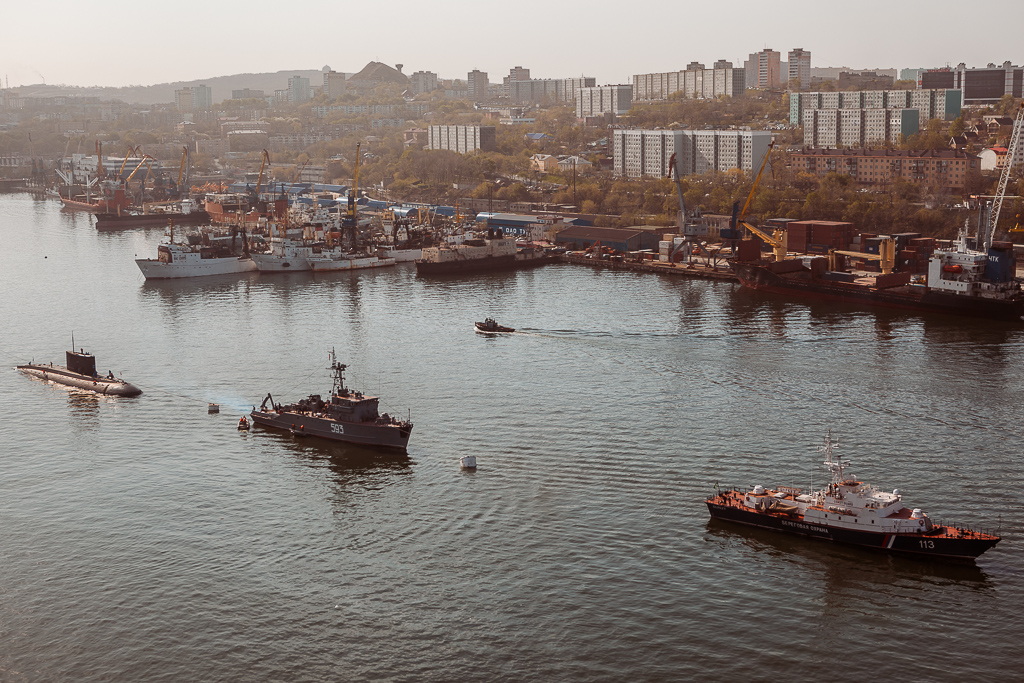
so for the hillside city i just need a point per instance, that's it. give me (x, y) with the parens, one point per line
(881, 149)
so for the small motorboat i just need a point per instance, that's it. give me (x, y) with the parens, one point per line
(243, 424)
(488, 326)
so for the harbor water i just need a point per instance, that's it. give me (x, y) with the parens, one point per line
(146, 539)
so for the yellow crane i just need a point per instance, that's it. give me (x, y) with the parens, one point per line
(777, 240)
(184, 161)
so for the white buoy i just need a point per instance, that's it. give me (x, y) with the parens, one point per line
(468, 462)
(212, 408)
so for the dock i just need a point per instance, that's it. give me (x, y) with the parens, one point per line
(694, 270)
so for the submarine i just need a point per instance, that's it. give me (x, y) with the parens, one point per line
(80, 373)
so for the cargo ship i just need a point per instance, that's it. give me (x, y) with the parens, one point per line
(491, 253)
(959, 281)
(346, 415)
(80, 372)
(188, 214)
(851, 512)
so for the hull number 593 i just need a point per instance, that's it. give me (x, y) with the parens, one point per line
(338, 429)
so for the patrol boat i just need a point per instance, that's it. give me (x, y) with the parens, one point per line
(80, 372)
(849, 511)
(346, 415)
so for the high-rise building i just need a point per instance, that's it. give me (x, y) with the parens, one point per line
(606, 99)
(190, 99)
(422, 81)
(334, 84)
(298, 89)
(462, 139)
(768, 69)
(799, 69)
(640, 152)
(183, 99)
(695, 82)
(928, 104)
(476, 85)
(547, 89)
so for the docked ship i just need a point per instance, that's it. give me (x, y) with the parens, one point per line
(493, 252)
(187, 213)
(203, 254)
(334, 262)
(959, 281)
(345, 415)
(851, 512)
(80, 372)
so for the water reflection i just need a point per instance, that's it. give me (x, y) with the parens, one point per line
(84, 409)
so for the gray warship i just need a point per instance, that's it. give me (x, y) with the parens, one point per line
(80, 372)
(346, 415)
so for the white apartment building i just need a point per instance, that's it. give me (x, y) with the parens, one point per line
(834, 128)
(641, 152)
(614, 99)
(550, 89)
(694, 82)
(461, 139)
(940, 103)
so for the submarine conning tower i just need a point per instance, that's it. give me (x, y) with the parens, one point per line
(82, 363)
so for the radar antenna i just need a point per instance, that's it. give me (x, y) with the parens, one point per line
(338, 373)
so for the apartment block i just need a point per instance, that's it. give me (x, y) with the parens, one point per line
(694, 82)
(832, 128)
(461, 139)
(476, 85)
(930, 104)
(605, 99)
(769, 69)
(547, 89)
(948, 169)
(422, 81)
(298, 89)
(799, 76)
(334, 84)
(641, 152)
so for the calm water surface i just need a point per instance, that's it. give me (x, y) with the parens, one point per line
(143, 539)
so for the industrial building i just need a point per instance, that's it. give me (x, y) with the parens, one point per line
(461, 139)
(579, 237)
(980, 85)
(641, 152)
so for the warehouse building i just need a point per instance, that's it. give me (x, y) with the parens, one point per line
(579, 237)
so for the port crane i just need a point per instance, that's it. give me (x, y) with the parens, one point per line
(351, 220)
(778, 239)
(183, 172)
(1004, 178)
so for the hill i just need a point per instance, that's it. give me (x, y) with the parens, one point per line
(164, 92)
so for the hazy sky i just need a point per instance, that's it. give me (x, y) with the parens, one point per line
(117, 42)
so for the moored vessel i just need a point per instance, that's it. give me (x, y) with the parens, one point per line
(491, 253)
(851, 512)
(345, 415)
(959, 281)
(80, 372)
